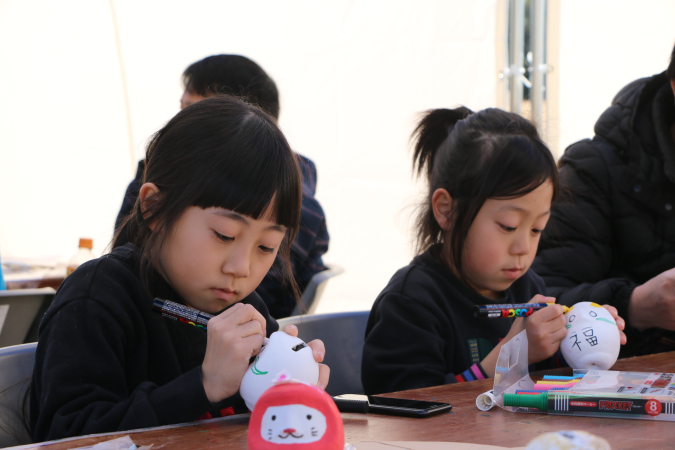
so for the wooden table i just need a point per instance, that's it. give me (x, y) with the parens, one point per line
(464, 424)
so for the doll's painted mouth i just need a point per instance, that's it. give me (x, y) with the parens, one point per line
(290, 433)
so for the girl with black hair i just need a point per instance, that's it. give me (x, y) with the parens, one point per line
(491, 184)
(220, 198)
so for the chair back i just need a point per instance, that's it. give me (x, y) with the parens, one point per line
(314, 290)
(343, 335)
(20, 314)
(16, 371)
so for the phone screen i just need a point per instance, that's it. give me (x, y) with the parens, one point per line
(397, 406)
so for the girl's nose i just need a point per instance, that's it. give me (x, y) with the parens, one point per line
(521, 245)
(238, 265)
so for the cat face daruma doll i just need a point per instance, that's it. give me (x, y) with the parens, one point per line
(295, 416)
(593, 340)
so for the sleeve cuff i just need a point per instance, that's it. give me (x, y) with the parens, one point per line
(473, 373)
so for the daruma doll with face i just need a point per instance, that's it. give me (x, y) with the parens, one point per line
(295, 416)
(593, 340)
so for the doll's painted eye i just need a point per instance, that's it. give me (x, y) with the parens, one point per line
(571, 319)
(593, 314)
(274, 417)
(299, 347)
(309, 417)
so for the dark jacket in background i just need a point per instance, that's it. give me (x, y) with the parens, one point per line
(422, 330)
(614, 227)
(306, 251)
(106, 362)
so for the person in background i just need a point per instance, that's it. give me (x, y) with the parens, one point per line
(491, 184)
(239, 76)
(612, 236)
(204, 232)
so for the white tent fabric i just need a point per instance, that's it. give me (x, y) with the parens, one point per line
(603, 46)
(352, 76)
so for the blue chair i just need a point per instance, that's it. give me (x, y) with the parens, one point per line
(314, 290)
(343, 334)
(16, 372)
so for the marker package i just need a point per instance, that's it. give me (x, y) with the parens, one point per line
(595, 405)
(591, 393)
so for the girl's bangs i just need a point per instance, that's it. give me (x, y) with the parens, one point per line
(253, 185)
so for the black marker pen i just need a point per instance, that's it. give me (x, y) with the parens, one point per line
(182, 313)
(185, 314)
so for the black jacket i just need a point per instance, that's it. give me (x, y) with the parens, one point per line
(105, 362)
(614, 227)
(422, 330)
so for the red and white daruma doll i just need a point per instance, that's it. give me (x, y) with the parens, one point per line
(295, 416)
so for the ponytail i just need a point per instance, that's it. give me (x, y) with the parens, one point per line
(432, 131)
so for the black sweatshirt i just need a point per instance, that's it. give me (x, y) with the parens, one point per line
(106, 362)
(422, 330)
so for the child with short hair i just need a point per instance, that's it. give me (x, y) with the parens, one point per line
(220, 198)
(491, 184)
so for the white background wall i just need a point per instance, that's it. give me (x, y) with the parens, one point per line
(352, 76)
(603, 46)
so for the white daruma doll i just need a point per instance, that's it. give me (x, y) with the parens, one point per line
(593, 339)
(282, 352)
(295, 416)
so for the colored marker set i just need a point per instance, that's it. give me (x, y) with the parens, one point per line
(600, 393)
(498, 311)
(558, 402)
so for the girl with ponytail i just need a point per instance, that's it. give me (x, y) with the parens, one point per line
(491, 182)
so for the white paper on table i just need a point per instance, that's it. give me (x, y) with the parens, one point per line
(123, 443)
(392, 445)
(4, 309)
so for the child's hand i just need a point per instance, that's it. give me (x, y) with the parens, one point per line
(318, 350)
(619, 322)
(545, 329)
(233, 338)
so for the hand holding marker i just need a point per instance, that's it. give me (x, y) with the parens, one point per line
(185, 314)
(510, 310)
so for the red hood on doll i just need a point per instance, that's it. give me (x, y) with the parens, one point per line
(295, 416)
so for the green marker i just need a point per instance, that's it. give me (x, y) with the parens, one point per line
(539, 401)
(598, 404)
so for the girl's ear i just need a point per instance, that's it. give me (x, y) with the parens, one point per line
(148, 198)
(441, 203)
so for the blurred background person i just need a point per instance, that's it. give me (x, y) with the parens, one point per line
(611, 238)
(239, 76)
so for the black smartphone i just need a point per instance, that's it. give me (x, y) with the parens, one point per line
(391, 406)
